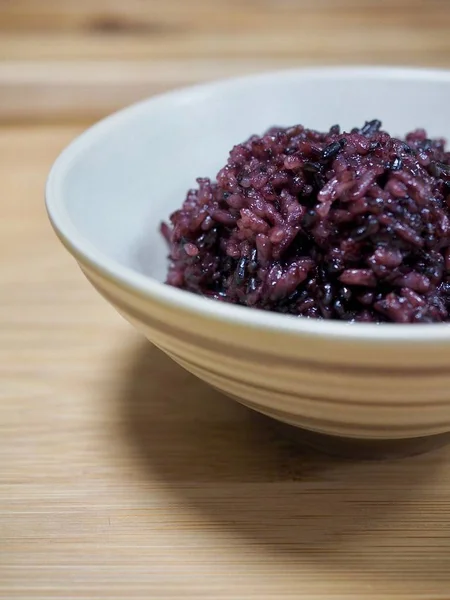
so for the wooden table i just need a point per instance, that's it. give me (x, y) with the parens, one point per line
(121, 476)
(80, 59)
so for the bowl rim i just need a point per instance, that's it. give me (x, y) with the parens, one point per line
(146, 287)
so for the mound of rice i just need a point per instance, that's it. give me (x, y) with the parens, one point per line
(352, 226)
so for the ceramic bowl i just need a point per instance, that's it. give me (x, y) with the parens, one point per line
(109, 190)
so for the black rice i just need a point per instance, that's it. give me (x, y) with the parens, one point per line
(351, 226)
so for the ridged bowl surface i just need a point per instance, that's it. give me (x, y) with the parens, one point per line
(109, 190)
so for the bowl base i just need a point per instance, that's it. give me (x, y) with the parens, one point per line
(348, 447)
(362, 449)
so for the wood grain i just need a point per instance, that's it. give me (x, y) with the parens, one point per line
(132, 49)
(123, 477)
(210, 14)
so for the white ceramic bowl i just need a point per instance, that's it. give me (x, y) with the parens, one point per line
(108, 191)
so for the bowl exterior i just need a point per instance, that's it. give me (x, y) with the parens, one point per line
(331, 386)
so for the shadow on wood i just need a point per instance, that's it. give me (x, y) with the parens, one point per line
(236, 470)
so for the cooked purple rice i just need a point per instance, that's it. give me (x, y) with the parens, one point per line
(350, 226)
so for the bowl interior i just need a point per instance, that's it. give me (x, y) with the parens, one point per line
(121, 178)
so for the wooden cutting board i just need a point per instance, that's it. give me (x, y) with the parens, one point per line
(121, 476)
(72, 60)
(124, 477)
